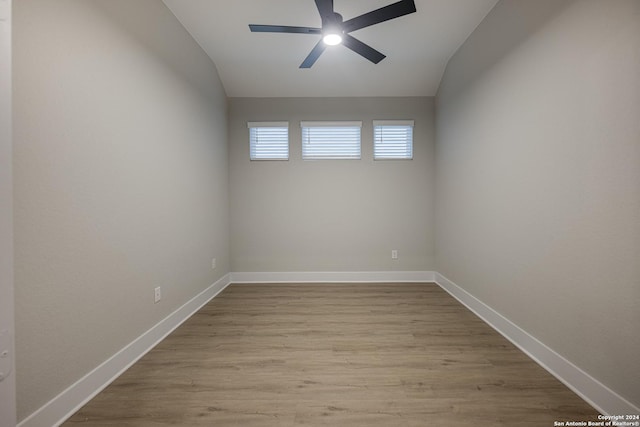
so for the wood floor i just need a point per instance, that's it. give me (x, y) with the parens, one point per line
(335, 355)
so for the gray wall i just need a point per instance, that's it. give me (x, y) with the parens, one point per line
(331, 215)
(121, 181)
(538, 177)
(7, 366)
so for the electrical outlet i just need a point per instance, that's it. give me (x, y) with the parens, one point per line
(157, 295)
(6, 347)
(213, 263)
(394, 254)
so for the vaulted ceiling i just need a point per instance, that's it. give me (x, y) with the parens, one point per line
(417, 46)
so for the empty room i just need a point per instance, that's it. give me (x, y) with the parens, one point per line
(319, 212)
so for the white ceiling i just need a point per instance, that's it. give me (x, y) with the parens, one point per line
(417, 46)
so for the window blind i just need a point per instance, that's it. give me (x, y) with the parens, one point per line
(392, 139)
(331, 140)
(268, 140)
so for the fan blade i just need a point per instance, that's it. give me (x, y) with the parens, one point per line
(325, 7)
(377, 16)
(283, 29)
(314, 55)
(362, 49)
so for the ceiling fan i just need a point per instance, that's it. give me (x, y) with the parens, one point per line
(335, 31)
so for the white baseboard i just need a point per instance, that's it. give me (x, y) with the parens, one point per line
(56, 411)
(333, 277)
(584, 385)
(61, 407)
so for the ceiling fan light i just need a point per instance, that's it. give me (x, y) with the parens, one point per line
(332, 39)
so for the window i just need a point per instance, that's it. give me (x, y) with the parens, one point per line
(331, 140)
(268, 140)
(392, 139)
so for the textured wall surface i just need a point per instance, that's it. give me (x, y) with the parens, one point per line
(121, 181)
(7, 366)
(538, 177)
(331, 215)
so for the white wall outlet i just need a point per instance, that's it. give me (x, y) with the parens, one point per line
(213, 263)
(6, 362)
(394, 254)
(157, 295)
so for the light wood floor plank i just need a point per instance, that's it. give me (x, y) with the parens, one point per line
(332, 354)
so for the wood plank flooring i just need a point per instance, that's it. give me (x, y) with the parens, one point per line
(333, 354)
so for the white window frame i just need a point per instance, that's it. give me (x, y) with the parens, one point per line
(393, 151)
(279, 149)
(334, 150)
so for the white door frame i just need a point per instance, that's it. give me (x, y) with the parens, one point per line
(7, 364)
